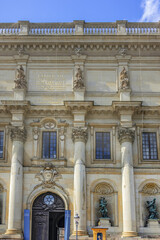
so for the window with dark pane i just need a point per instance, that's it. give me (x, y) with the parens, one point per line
(103, 148)
(49, 148)
(149, 146)
(1, 143)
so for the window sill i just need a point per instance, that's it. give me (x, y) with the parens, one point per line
(56, 162)
(103, 161)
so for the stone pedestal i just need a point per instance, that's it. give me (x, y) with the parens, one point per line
(125, 95)
(79, 94)
(104, 222)
(79, 137)
(153, 224)
(18, 136)
(19, 94)
(126, 138)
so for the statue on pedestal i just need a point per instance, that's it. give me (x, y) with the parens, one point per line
(124, 81)
(78, 82)
(151, 207)
(104, 220)
(20, 82)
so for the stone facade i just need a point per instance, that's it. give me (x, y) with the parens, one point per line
(76, 80)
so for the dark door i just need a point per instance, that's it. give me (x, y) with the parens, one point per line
(47, 210)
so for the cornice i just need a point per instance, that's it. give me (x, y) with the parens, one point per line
(78, 105)
(10, 105)
(131, 106)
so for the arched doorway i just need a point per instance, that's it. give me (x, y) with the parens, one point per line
(47, 216)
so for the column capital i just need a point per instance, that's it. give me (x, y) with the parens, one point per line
(18, 134)
(79, 134)
(126, 135)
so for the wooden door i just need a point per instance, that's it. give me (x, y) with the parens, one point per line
(40, 226)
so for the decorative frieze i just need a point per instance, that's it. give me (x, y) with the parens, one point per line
(126, 135)
(79, 134)
(20, 82)
(18, 134)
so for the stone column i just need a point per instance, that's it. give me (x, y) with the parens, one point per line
(126, 138)
(79, 136)
(18, 136)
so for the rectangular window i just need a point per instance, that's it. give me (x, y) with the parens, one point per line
(103, 145)
(1, 143)
(149, 146)
(49, 148)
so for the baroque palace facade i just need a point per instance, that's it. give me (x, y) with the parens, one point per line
(79, 120)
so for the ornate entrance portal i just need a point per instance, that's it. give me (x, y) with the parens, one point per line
(47, 216)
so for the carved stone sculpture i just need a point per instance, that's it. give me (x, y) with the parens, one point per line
(79, 134)
(18, 134)
(126, 135)
(35, 140)
(47, 175)
(124, 81)
(20, 82)
(78, 82)
(151, 207)
(61, 143)
(103, 207)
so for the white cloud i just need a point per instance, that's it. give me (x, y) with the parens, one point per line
(151, 11)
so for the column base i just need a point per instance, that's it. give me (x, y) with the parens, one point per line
(129, 234)
(12, 234)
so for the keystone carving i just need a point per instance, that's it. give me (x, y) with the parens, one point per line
(79, 81)
(124, 81)
(20, 82)
(18, 134)
(47, 176)
(79, 134)
(126, 135)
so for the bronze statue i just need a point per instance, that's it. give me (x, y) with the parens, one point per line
(151, 207)
(103, 207)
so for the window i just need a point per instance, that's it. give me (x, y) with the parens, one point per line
(1, 143)
(149, 146)
(49, 145)
(103, 145)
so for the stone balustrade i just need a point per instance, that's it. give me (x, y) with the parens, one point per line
(80, 28)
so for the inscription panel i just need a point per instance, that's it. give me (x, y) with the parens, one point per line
(50, 80)
(101, 80)
(7, 80)
(144, 80)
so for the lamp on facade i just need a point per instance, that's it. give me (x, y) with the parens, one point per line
(76, 219)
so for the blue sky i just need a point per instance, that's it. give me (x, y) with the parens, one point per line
(88, 10)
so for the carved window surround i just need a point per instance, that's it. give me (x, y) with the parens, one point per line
(148, 129)
(103, 128)
(48, 125)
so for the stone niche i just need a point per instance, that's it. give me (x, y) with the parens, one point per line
(107, 191)
(148, 192)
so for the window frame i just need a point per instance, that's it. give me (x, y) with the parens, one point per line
(50, 159)
(140, 147)
(112, 132)
(102, 159)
